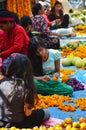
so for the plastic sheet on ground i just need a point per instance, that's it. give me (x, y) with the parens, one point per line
(57, 113)
(80, 75)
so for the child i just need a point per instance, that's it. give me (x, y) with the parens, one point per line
(18, 94)
(26, 23)
(46, 64)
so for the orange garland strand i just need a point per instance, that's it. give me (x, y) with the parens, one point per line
(21, 7)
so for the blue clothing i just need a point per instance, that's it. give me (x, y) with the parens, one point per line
(49, 65)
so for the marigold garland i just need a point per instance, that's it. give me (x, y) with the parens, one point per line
(21, 7)
(52, 2)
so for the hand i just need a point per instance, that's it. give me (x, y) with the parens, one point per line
(45, 78)
(58, 21)
(27, 111)
(56, 34)
(56, 75)
(59, 35)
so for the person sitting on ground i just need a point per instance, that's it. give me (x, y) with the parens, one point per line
(16, 18)
(26, 23)
(13, 37)
(57, 13)
(18, 94)
(46, 14)
(39, 22)
(49, 66)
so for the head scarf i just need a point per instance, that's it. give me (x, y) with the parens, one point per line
(7, 62)
(6, 15)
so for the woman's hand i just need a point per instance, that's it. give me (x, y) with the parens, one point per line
(56, 34)
(45, 78)
(58, 21)
(56, 75)
(27, 110)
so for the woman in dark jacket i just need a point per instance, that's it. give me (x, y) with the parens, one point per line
(57, 13)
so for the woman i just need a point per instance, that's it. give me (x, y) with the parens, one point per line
(57, 13)
(13, 37)
(18, 94)
(52, 24)
(39, 22)
(48, 61)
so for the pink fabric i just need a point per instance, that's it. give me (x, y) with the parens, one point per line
(47, 20)
(52, 121)
(85, 87)
(0, 62)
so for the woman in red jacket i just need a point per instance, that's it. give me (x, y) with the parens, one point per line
(13, 37)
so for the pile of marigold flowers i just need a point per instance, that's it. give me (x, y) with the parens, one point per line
(80, 29)
(79, 51)
(21, 7)
(67, 71)
(59, 101)
(64, 73)
(66, 52)
(66, 124)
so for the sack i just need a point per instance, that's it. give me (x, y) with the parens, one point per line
(65, 31)
(50, 42)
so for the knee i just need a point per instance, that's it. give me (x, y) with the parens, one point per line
(46, 114)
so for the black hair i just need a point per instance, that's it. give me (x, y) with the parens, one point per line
(6, 14)
(53, 9)
(57, 3)
(14, 14)
(25, 20)
(35, 43)
(21, 68)
(36, 8)
(16, 17)
(3, 9)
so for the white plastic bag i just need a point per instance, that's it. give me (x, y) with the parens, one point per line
(64, 31)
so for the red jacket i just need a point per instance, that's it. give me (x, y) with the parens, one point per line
(16, 42)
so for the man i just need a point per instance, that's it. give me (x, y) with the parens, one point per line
(13, 37)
